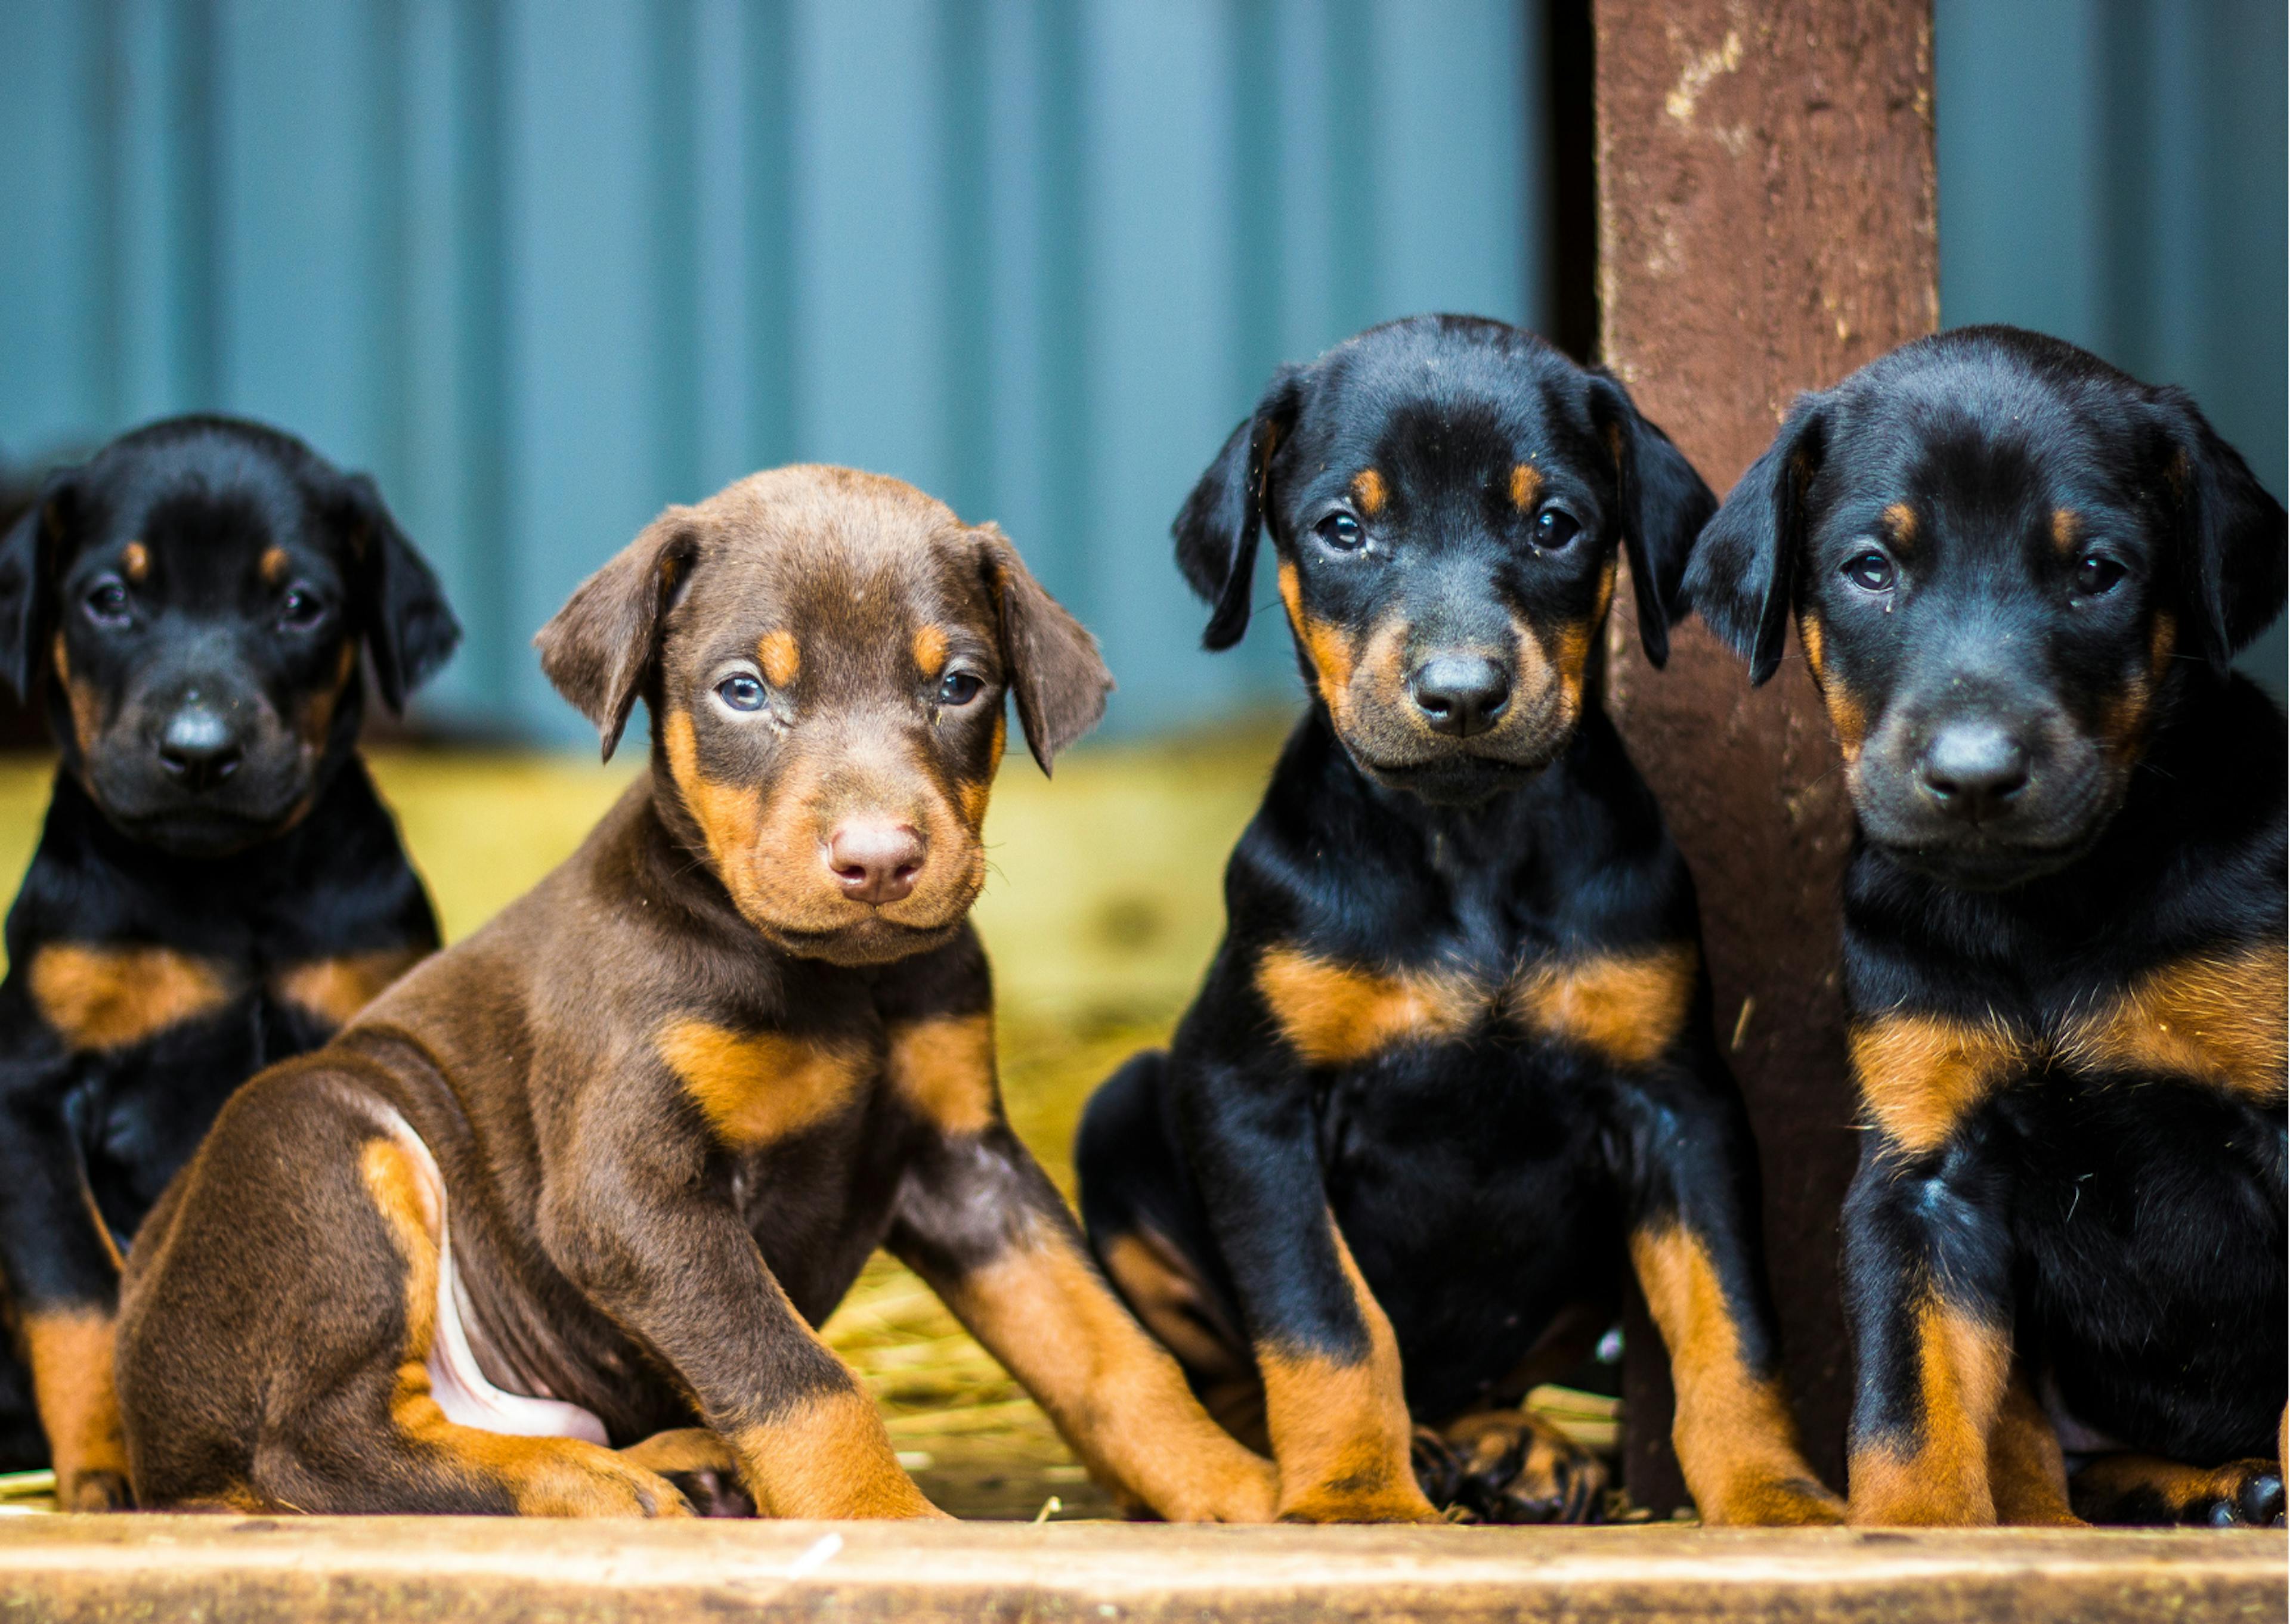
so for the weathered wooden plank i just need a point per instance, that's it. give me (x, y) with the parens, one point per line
(1766, 224)
(470, 1569)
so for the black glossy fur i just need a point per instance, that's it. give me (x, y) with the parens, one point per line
(2023, 575)
(215, 876)
(1485, 1171)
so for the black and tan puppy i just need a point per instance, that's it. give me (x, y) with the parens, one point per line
(2019, 577)
(216, 885)
(1451, 1072)
(598, 1170)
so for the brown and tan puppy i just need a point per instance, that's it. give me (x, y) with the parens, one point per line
(596, 1172)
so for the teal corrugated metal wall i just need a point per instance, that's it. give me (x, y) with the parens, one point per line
(2116, 171)
(545, 266)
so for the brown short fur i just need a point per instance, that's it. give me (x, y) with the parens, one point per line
(678, 1092)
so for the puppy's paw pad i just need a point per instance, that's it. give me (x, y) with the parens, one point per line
(2247, 1494)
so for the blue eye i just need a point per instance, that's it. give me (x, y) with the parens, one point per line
(959, 688)
(1554, 528)
(1341, 531)
(1870, 571)
(740, 691)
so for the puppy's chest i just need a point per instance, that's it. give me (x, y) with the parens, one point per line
(764, 1089)
(2213, 1021)
(111, 1000)
(1619, 1007)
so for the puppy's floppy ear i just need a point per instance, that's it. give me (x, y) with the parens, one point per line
(1217, 531)
(1664, 505)
(2230, 533)
(1055, 673)
(409, 628)
(601, 647)
(28, 554)
(1743, 570)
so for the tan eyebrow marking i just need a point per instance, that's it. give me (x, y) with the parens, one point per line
(136, 561)
(1526, 486)
(1901, 521)
(2066, 525)
(1370, 492)
(782, 659)
(930, 649)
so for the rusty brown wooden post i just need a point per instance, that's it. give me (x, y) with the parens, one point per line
(1765, 225)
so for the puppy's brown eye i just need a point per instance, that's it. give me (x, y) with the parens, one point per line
(740, 691)
(300, 609)
(959, 688)
(2096, 573)
(1554, 529)
(1870, 571)
(1341, 531)
(107, 604)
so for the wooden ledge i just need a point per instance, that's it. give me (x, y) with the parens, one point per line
(475, 1569)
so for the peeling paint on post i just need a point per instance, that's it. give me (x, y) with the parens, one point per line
(1765, 225)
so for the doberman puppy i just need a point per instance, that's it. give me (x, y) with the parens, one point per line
(1452, 1070)
(2019, 577)
(590, 1177)
(216, 885)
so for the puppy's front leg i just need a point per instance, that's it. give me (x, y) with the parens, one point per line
(624, 1217)
(979, 1220)
(1693, 1242)
(58, 1270)
(1927, 1286)
(1334, 1403)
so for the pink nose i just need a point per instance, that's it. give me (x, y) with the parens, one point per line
(875, 859)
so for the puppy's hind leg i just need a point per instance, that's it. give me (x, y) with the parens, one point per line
(275, 1349)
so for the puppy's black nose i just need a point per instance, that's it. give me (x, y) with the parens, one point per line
(1972, 769)
(1460, 694)
(198, 748)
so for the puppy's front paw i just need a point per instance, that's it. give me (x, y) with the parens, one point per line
(1511, 1465)
(2242, 1494)
(1762, 1500)
(1361, 1500)
(97, 1490)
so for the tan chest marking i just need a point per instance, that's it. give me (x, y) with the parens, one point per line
(1332, 1014)
(757, 1089)
(1626, 1007)
(2217, 1019)
(110, 998)
(2213, 1018)
(1921, 1075)
(944, 1069)
(334, 989)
